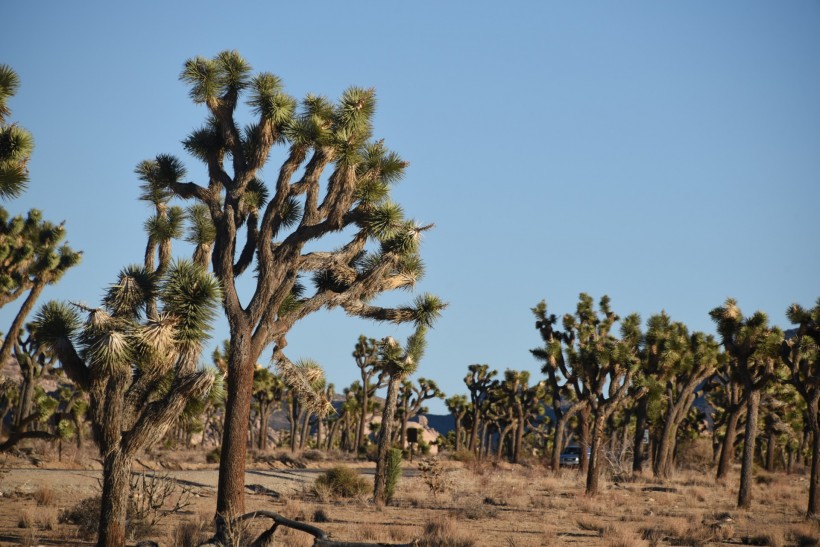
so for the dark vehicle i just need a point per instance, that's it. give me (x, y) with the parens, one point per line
(571, 456)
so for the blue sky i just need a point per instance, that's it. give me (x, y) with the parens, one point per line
(666, 154)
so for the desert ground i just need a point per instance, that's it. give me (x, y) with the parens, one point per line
(480, 503)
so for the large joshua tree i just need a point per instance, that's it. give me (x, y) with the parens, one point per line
(138, 354)
(139, 366)
(334, 179)
(752, 347)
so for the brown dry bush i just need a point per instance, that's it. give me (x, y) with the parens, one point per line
(44, 495)
(85, 515)
(444, 533)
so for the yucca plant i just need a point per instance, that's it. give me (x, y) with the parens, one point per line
(138, 354)
(335, 179)
(752, 347)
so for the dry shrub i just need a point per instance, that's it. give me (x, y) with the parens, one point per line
(26, 519)
(188, 534)
(591, 525)
(444, 533)
(770, 537)
(695, 454)
(474, 510)
(804, 535)
(342, 482)
(621, 536)
(44, 495)
(320, 516)
(85, 515)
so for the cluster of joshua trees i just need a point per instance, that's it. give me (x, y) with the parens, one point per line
(132, 368)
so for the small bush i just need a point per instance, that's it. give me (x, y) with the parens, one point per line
(214, 455)
(320, 516)
(342, 482)
(44, 496)
(188, 534)
(444, 533)
(393, 472)
(86, 515)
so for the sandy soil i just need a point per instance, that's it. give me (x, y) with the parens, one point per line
(483, 503)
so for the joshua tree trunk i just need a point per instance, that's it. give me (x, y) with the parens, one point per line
(663, 459)
(771, 445)
(115, 493)
(519, 437)
(362, 422)
(727, 450)
(231, 500)
(744, 496)
(585, 440)
(380, 480)
(814, 482)
(640, 426)
(558, 436)
(593, 471)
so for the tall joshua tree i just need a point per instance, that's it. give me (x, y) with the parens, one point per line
(138, 354)
(344, 186)
(568, 395)
(752, 347)
(605, 364)
(478, 380)
(801, 353)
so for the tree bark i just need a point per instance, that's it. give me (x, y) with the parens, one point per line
(593, 470)
(231, 491)
(771, 445)
(727, 450)
(114, 500)
(380, 480)
(744, 496)
(585, 440)
(814, 482)
(637, 445)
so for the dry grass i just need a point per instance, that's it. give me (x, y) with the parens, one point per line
(486, 504)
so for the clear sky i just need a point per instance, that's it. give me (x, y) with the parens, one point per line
(664, 153)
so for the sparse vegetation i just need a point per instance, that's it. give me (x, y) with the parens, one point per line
(343, 482)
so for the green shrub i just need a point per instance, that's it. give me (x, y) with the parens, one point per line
(393, 472)
(343, 482)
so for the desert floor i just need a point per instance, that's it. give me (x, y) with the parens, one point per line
(477, 503)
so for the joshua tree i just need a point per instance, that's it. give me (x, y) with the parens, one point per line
(681, 365)
(139, 367)
(31, 253)
(568, 395)
(138, 354)
(478, 380)
(604, 364)
(412, 398)
(344, 185)
(801, 353)
(458, 407)
(726, 395)
(366, 355)
(399, 363)
(16, 144)
(268, 391)
(752, 347)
